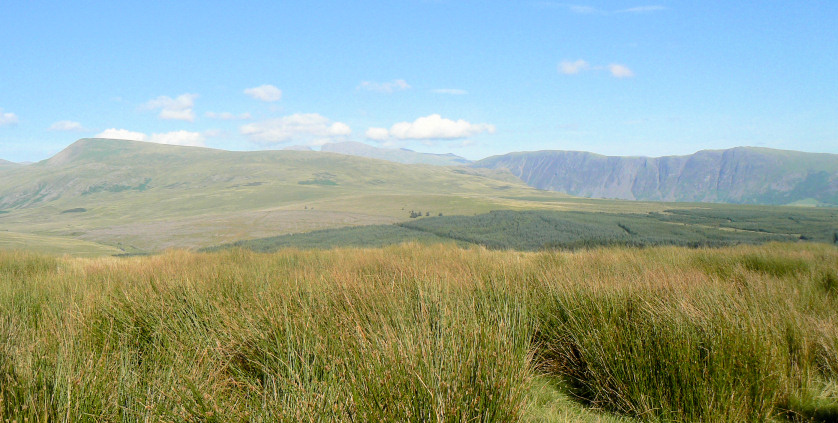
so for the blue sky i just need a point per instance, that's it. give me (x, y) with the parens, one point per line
(474, 78)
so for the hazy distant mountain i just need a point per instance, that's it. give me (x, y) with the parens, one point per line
(7, 163)
(739, 175)
(398, 155)
(297, 148)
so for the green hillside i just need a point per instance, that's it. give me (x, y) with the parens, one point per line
(142, 197)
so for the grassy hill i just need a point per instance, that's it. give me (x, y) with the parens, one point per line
(140, 196)
(745, 175)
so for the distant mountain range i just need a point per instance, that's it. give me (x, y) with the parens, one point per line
(398, 155)
(104, 196)
(744, 175)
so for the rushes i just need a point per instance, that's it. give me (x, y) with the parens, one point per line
(421, 333)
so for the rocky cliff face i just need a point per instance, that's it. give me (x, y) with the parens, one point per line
(738, 175)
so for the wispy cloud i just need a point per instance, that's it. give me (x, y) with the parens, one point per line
(267, 93)
(187, 138)
(583, 10)
(67, 125)
(616, 70)
(228, 116)
(620, 71)
(572, 68)
(642, 9)
(302, 128)
(178, 108)
(384, 87)
(452, 91)
(590, 10)
(430, 127)
(7, 118)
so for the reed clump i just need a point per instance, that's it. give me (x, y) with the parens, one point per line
(421, 333)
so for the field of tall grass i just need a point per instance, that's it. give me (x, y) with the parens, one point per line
(423, 333)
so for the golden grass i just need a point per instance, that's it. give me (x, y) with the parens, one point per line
(421, 333)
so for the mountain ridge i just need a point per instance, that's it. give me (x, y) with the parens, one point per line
(398, 155)
(748, 175)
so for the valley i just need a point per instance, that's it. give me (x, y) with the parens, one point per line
(101, 196)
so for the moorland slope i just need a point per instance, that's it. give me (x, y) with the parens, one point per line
(141, 196)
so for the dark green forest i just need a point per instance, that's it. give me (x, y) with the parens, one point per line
(713, 226)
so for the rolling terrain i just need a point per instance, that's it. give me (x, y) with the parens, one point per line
(105, 197)
(142, 197)
(742, 175)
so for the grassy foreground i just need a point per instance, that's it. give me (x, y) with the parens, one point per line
(423, 333)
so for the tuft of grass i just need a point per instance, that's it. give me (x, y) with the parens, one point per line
(422, 333)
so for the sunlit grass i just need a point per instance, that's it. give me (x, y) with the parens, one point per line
(422, 333)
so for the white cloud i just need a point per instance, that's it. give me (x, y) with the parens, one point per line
(187, 138)
(179, 108)
(430, 127)
(265, 92)
(66, 125)
(309, 128)
(122, 134)
(620, 71)
(378, 134)
(228, 116)
(572, 68)
(7, 118)
(575, 67)
(194, 139)
(385, 87)
(452, 91)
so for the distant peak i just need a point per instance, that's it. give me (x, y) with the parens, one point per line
(92, 149)
(298, 148)
(398, 155)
